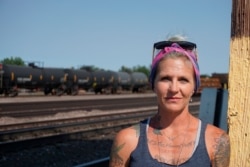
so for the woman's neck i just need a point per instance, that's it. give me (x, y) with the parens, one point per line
(172, 120)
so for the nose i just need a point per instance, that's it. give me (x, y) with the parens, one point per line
(173, 87)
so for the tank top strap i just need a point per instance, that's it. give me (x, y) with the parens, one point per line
(197, 139)
(144, 128)
(141, 151)
(202, 133)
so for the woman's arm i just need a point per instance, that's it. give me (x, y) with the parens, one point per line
(222, 151)
(124, 143)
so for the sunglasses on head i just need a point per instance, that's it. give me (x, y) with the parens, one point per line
(184, 44)
(158, 46)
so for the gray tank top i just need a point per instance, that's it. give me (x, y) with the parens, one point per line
(141, 156)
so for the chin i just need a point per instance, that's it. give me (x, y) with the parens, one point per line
(173, 109)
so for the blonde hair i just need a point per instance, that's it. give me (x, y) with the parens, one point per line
(179, 37)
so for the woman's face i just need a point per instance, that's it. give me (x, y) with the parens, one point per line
(174, 84)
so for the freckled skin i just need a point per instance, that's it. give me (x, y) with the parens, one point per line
(172, 131)
(218, 144)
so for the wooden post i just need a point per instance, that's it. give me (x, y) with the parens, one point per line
(239, 84)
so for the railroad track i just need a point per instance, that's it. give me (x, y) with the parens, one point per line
(70, 128)
(103, 162)
(29, 133)
(108, 109)
(39, 129)
(31, 107)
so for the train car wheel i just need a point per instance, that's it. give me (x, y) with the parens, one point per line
(53, 92)
(69, 91)
(13, 94)
(46, 91)
(59, 92)
(74, 90)
(113, 90)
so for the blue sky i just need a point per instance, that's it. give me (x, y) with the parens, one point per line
(112, 33)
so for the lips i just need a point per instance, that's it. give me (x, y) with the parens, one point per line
(173, 98)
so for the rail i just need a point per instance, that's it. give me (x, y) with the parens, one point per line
(104, 162)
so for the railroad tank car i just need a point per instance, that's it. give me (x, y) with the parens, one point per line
(60, 80)
(124, 80)
(14, 77)
(139, 81)
(105, 82)
(54, 81)
(78, 79)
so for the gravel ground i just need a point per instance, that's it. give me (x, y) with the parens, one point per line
(61, 154)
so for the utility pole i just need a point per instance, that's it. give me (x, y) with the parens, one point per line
(239, 84)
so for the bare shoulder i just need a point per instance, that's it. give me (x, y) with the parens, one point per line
(124, 143)
(214, 131)
(218, 144)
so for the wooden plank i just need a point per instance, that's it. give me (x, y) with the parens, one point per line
(239, 87)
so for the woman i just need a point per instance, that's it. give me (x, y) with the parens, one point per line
(173, 137)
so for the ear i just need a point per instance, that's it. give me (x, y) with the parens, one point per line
(192, 93)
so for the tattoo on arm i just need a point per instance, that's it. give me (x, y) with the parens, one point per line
(222, 151)
(115, 159)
